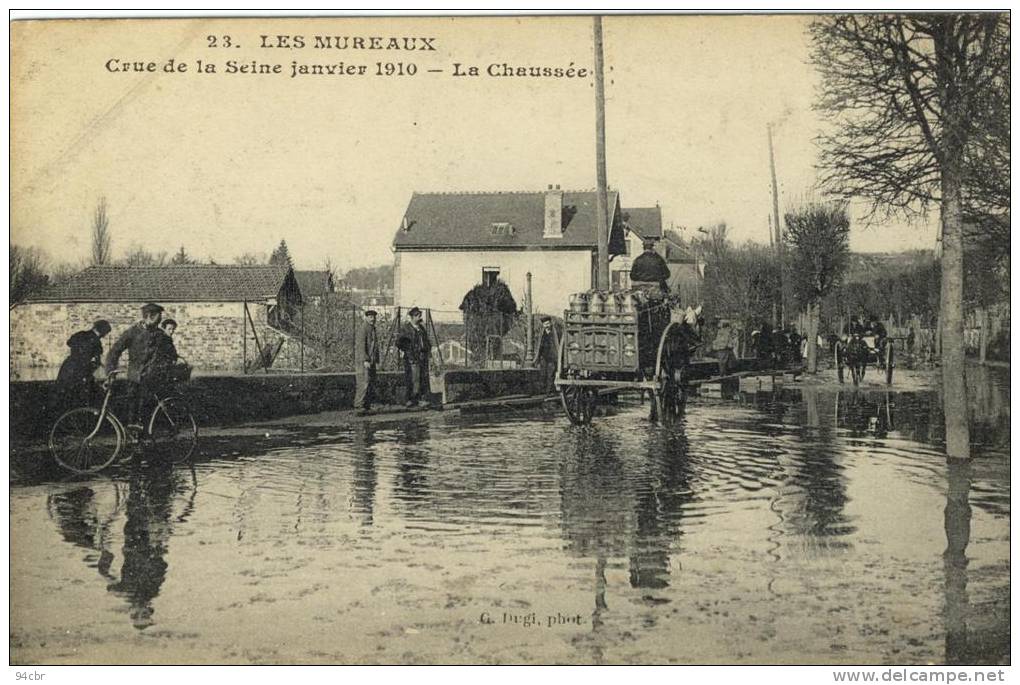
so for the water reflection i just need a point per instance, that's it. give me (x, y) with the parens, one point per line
(819, 503)
(412, 462)
(147, 530)
(365, 476)
(627, 514)
(85, 519)
(957, 523)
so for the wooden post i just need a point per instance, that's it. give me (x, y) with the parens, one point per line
(528, 347)
(244, 339)
(302, 338)
(983, 335)
(602, 273)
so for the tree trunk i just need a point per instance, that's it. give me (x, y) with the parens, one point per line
(954, 385)
(812, 338)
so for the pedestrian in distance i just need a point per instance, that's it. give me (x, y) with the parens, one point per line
(75, 385)
(413, 342)
(143, 342)
(366, 361)
(545, 356)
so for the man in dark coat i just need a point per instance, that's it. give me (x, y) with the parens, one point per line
(545, 356)
(366, 359)
(143, 342)
(650, 269)
(414, 343)
(75, 385)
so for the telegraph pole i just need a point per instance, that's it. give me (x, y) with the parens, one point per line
(780, 247)
(602, 274)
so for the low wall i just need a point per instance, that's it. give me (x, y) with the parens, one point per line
(226, 400)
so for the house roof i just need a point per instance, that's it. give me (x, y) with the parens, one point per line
(177, 283)
(314, 283)
(645, 221)
(677, 253)
(465, 220)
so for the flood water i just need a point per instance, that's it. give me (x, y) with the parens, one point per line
(805, 527)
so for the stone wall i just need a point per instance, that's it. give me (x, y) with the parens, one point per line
(222, 400)
(226, 400)
(209, 334)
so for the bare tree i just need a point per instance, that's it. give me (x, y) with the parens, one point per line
(181, 257)
(100, 234)
(248, 259)
(819, 235)
(27, 272)
(139, 256)
(908, 96)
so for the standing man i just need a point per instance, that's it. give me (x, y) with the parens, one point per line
(366, 359)
(414, 343)
(545, 356)
(143, 342)
(75, 386)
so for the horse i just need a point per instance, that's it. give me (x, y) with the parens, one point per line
(852, 353)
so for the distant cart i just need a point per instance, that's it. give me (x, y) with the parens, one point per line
(619, 342)
(860, 351)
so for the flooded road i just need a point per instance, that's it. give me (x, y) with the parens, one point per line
(805, 527)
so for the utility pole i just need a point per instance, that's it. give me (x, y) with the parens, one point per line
(784, 284)
(602, 273)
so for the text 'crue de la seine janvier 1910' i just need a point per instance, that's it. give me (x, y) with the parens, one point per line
(353, 45)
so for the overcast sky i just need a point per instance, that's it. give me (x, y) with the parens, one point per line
(225, 164)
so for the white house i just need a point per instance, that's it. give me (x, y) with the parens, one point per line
(450, 242)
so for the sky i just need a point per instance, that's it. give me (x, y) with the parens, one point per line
(225, 164)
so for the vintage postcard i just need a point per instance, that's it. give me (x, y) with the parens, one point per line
(633, 339)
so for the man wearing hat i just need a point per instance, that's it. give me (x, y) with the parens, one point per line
(545, 356)
(75, 386)
(649, 270)
(414, 342)
(366, 359)
(143, 342)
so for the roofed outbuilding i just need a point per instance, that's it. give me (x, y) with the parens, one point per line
(176, 283)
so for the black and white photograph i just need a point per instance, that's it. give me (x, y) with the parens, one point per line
(512, 339)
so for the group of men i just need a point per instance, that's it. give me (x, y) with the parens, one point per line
(415, 350)
(152, 357)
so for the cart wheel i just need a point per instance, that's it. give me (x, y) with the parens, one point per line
(888, 362)
(670, 399)
(579, 403)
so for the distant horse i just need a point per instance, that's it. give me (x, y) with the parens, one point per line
(853, 354)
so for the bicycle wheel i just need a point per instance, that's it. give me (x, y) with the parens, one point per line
(84, 440)
(173, 430)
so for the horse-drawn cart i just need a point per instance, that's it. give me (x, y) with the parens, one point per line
(624, 341)
(858, 351)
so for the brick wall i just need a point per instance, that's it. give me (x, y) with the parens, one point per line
(209, 334)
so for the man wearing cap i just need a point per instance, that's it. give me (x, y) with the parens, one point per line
(366, 359)
(414, 342)
(545, 356)
(75, 386)
(143, 342)
(649, 270)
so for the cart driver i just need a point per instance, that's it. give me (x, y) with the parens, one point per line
(650, 273)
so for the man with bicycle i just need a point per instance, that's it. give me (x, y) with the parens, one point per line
(146, 376)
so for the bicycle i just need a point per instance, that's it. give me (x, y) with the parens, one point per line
(87, 440)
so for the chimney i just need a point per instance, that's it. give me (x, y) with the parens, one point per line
(553, 213)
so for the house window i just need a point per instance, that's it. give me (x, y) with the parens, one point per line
(502, 228)
(490, 274)
(621, 279)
